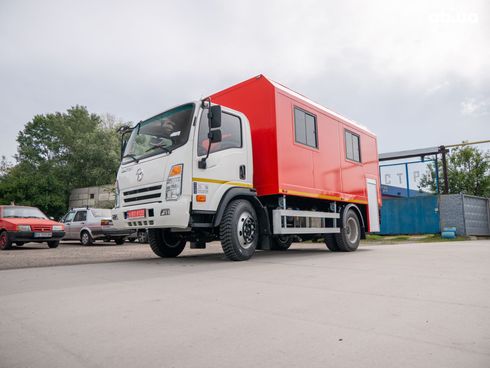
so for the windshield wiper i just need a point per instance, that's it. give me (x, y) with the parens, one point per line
(159, 146)
(130, 155)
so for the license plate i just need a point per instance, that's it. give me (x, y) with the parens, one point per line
(43, 235)
(136, 214)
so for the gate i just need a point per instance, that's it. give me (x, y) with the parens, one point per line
(413, 215)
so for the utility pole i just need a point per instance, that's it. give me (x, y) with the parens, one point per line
(443, 152)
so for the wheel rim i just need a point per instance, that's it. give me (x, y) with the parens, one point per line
(85, 238)
(246, 230)
(351, 230)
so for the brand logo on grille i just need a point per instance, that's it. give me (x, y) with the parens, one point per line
(139, 175)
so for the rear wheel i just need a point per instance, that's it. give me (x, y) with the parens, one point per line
(5, 242)
(331, 243)
(142, 236)
(53, 243)
(86, 239)
(19, 244)
(350, 235)
(282, 242)
(239, 230)
(166, 244)
(119, 241)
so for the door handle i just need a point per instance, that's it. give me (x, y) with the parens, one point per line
(243, 172)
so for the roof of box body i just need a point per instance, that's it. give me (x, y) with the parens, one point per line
(316, 105)
(299, 97)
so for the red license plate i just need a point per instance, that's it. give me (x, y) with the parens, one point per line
(136, 214)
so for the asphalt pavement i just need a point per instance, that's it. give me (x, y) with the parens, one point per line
(404, 305)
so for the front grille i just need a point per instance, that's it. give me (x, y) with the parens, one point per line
(41, 228)
(142, 198)
(136, 196)
(142, 190)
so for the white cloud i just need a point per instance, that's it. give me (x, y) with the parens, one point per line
(474, 107)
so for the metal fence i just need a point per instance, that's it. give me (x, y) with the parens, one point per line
(414, 215)
(470, 215)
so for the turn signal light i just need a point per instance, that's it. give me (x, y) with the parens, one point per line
(201, 198)
(176, 170)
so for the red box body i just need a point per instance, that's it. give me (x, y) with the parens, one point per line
(283, 166)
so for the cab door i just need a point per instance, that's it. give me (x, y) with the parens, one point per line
(229, 163)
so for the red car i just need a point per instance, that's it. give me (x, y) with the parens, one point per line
(20, 224)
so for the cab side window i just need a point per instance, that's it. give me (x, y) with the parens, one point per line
(231, 134)
(80, 216)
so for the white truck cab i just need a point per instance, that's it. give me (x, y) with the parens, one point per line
(166, 172)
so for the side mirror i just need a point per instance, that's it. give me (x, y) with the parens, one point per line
(214, 135)
(214, 116)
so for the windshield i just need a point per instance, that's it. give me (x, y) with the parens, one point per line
(23, 212)
(162, 133)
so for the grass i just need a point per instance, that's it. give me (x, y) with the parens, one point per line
(427, 238)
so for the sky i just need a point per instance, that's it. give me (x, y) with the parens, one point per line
(416, 73)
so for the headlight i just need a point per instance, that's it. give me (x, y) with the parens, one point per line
(174, 183)
(23, 228)
(57, 228)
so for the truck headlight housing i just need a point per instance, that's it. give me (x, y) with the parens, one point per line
(23, 228)
(57, 228)
(174, 183)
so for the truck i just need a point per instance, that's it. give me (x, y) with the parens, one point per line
(255, 166)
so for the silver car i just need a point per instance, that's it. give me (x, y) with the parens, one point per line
(90, 224)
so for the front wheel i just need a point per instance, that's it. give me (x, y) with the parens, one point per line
(166, 244)
(5, 242)
(350, 235)
(53, 243)
(239, 230)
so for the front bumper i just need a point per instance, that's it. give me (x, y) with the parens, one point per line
(29, 236)
(171, 214)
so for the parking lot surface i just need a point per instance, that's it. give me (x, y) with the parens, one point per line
(406, 305)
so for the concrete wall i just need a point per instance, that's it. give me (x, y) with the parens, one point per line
(99, 197)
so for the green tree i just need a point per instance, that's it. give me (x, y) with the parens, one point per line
(5, 166)
(59, 152)
(468, 170)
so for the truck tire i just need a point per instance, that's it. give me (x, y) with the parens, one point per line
(239, 230)
(350, 234)
(53, 243)
(5, 242)
(165, 244)
(331, 243)
(86, 239)
(281, 242)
